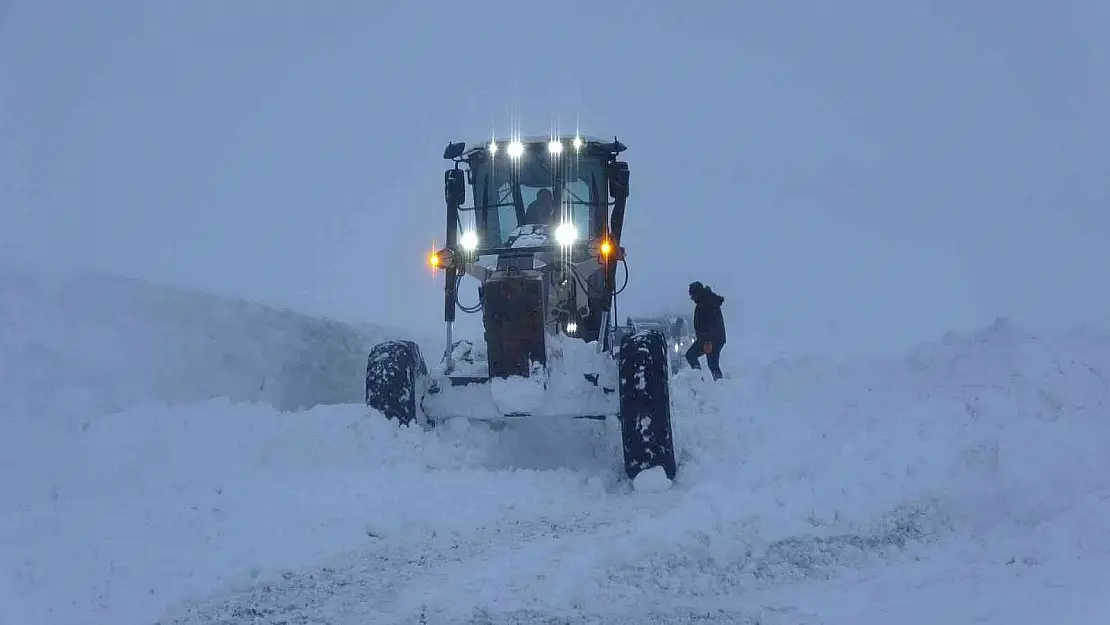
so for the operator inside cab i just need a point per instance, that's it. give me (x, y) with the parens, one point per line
(542, 209)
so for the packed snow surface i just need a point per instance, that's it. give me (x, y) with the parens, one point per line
(965, 483)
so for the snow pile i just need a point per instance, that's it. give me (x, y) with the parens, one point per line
(653, 480)
(517, 394)
(528, 235)
(989, 423)
(966, 483)
(113, 343)
(113, 519)
(564, 391)
(989, 443)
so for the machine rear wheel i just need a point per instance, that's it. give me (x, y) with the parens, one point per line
(393, 369)
(645, 404)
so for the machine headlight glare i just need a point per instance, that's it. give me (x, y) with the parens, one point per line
(516, 148)
(555, 147)
(566, 234)
(469, 240)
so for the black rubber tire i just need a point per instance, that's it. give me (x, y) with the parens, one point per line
(392, 370)
(645, 404)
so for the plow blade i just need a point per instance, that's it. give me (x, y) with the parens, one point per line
(484, 399)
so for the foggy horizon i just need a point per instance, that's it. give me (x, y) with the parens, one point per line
(852, 179)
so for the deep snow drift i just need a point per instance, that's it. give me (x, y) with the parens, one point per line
(965, 483)
(115, 343)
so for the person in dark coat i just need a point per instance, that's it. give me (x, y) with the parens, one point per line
(542, 209)
(709, 329)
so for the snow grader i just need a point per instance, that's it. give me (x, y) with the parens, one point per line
(542, 238)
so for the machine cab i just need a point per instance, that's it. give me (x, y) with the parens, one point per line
(537, 192)
(542, 231)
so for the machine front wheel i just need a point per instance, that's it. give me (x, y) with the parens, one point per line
(645, 404)
(393, 370)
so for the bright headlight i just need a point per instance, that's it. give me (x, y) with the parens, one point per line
(469, 240)
(555, 147)
(516, 148)
(565, 234)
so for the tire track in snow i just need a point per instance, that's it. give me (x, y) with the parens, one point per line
(555, 572)
(689, 555)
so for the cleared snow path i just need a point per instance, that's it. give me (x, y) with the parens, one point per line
(965, 484)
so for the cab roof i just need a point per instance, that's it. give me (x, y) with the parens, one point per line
(464, 149)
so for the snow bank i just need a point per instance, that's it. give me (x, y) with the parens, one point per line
(114, 519)
(990, 443)
(112, 343)
(967, 482)
(1000, 424)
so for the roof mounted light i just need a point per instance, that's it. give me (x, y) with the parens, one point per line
(516, 148)
(493, 147)
(555, 147)
(454, 150)
(577, 143)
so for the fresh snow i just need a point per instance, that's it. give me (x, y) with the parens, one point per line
(113, 343)
(964, 483)
(652, 480)
(528, 235)
(563, 391)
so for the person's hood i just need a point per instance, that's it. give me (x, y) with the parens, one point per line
(707, 296)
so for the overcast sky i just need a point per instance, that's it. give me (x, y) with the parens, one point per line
(851, 176)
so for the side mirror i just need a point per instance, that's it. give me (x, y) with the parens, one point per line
(454, 150)
(617, 173)
(454, 187)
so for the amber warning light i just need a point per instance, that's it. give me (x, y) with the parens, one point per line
(606, 248)
(441, 259)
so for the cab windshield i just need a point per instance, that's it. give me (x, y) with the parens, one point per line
(537, 189)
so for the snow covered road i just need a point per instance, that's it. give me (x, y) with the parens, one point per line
(966, 484)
